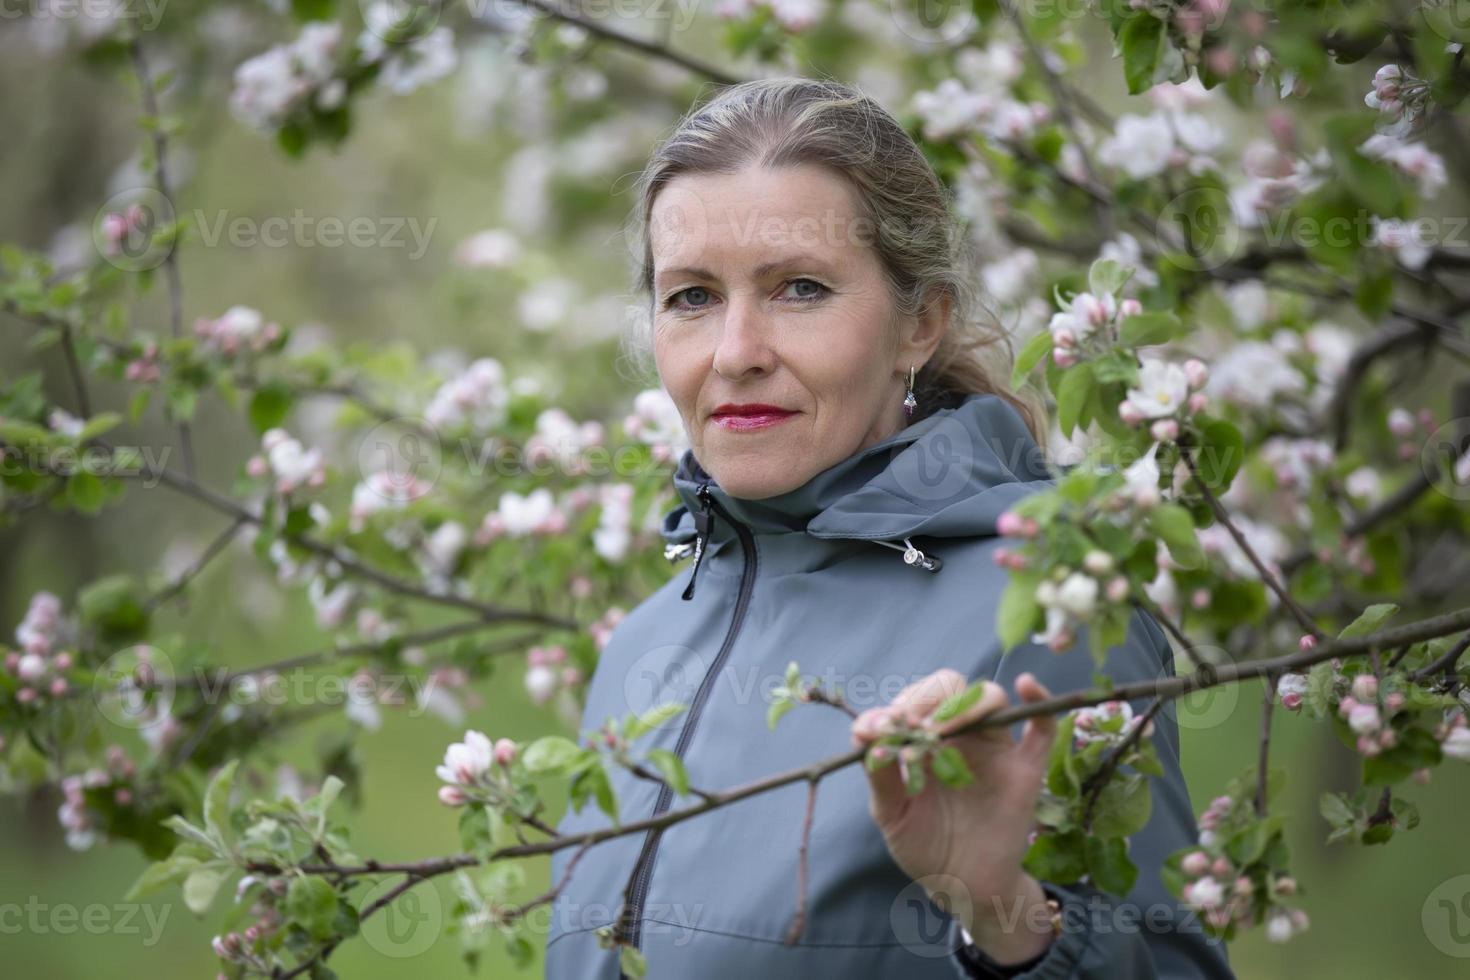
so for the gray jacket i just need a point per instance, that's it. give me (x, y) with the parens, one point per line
(819, 575)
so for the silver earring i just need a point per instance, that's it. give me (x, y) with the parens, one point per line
(909, 401)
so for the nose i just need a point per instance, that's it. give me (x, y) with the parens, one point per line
(744, 346)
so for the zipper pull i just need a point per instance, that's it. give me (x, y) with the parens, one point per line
(704, 520)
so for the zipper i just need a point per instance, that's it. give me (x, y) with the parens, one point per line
(704, 522)
(630, 924)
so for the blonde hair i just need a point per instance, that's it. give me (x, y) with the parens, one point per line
(792, 121)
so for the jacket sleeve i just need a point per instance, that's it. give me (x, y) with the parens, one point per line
(1147, 935)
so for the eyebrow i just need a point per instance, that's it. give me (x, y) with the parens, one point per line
(765, 268)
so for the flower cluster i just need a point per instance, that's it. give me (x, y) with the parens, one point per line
(1146, 146)
(1400, 98)
(793, 15)
(560, 439)
(473, 766)
(272, 87)
(1110, 722)
(384, 490)
(655, 421)
(238, 329)
(613, 535)
(548, 672)
(40, 665)
(1083, 322)
(477, 399)
(287, 462)
(519, 515)
(1225, 896)
(1167, 394)
(409, 63)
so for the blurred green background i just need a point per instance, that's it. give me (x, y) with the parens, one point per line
(455, 154)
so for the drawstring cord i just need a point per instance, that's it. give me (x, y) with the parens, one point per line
(913, 556)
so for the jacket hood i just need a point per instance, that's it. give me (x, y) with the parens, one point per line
(951, 474)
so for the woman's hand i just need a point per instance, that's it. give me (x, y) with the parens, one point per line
(974, 833)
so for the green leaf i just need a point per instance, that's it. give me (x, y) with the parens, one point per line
(550, 753)
(1123, 806)
(1036, 348)
(85, 492)
(1072, 395)
(217, 802)
(192, 833)
(99, 424)
(322, 801)
(1016, 614)
(1057, 858)
(778, 708)
(1149, 328)
(1175, 528)
(1141, 41)
(161, 873)
(269, 407)
(1220, 452)
(959, 702)
(632, 962)
(950, 767)
(201, 886)
(1107, 276)
(671, 768)
(651, 719)
(1369, 620)
(1108, 864)
(312, 902)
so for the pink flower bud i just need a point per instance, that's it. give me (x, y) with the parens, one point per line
(1117, 590)
(1307, 642)
(1243, 887)
(1346, 705)
(1365, 687)
(1221, 867)
(571, 676)
(1198, 402)
(1196, 372)
(58, 687)
(1195, 863)
(452, 796)
(1394, 701)
(1129, 413)
(1129, 307)
(1291, 702)
(505, 751)
(1064, 338)
(1200, 598)
(1164, 430)
(1010, 524)
(1064, 357)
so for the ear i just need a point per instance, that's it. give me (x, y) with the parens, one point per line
(920, 334)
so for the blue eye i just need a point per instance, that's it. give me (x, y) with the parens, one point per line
(692, 291)
(810, 295)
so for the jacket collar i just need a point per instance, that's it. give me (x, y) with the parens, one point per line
(951, 474)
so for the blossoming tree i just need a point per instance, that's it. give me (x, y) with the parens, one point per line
(1229, 328)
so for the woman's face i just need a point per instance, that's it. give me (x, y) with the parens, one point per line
(767, 292)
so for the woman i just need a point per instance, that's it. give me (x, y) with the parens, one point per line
(850, 456)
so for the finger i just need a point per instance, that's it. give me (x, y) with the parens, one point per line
(886, 790)
(871, 724)
(915, 702)
(992, 699)
(1041, 730)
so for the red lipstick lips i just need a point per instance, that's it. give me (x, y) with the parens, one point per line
(750, 416)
